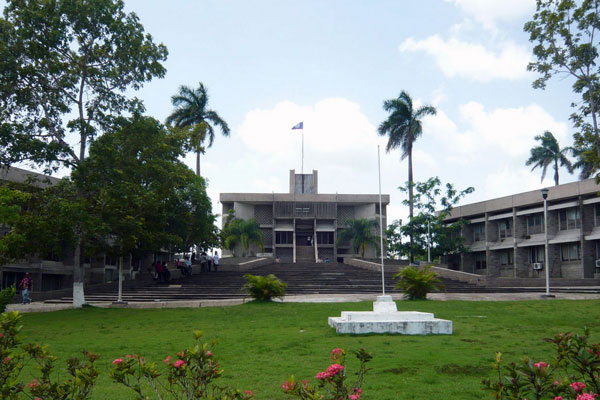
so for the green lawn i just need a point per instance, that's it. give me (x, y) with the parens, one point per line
(261, 345)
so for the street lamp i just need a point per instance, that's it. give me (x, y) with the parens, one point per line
(546, 256)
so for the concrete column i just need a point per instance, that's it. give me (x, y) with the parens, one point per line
(294, 240)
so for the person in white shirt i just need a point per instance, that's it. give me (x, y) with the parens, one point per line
(216, 260)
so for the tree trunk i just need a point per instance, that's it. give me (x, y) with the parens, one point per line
(556, 172)
(198, 163)
(78, 275)
(410, 200)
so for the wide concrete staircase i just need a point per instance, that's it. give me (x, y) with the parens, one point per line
(305, 254)
(302, 278)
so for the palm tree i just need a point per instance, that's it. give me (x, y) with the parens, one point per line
(192, 112)
(244, 232)
(403, 127)
(549, 152)
(361, 233)
(582, 163)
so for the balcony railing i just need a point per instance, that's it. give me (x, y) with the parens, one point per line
(505, 233)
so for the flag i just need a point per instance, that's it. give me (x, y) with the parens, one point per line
(299, 125)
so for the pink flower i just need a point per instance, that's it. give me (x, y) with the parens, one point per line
(577, 386)
(166, 360)
(334, 369)
(33, 384)
(586, 396)
(355, 394)
(558, 398)
(127, 355)
(179, 363)
(117, 361)
(540, 365)
(6, 360)
(336, 354)
(209, 354)
(555, 383)
(287, 386)
(248, 393)
(322, 375)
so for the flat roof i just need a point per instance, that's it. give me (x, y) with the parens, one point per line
(19, 175)
(258, 198)
(587, 187)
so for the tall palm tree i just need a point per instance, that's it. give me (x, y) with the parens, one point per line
(360, 233)
(549, 152)
(191, 111)
(403, 127)
(582, 163)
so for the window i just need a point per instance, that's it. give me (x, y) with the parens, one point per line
(569, 219)
(506, 257)
(479, 232)
(324, 238)
(535, 224)
(570, 252)
(480, 261)
(286, 237)
(504, 230)
(597, 214)
(536, 254)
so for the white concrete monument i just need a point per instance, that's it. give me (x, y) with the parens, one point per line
(385, 318)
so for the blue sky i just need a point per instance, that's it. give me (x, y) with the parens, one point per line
(331, 64)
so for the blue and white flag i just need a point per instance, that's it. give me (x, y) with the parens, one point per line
(299, 125)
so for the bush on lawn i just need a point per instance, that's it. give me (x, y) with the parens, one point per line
(573, 374)
(264, 288)
(417, 282)
(7, 296)
(332, 382)
(83, 374)
(190, 375)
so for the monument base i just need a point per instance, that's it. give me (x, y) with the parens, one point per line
(385, 318)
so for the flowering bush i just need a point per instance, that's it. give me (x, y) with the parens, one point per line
(190, 375)
(573, 374)
(79, 386)
(332, 383)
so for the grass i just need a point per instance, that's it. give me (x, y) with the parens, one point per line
(261, 345)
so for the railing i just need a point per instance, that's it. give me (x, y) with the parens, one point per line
(299, 209)
(505, 233)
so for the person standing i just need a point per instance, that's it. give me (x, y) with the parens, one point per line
(216, 261)
(26, 284)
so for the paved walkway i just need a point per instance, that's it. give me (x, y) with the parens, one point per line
(311, 298)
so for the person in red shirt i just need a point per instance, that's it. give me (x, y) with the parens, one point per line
(26, 284)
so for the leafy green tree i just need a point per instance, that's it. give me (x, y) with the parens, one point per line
(66, 67)
(393, 240)
(403, 127)
(434, 204)
(146, 197)
(361, 234)
(565, 36)
(243, 232)
(582, 155)
(12, 206)
(549, 153)
(192, 112)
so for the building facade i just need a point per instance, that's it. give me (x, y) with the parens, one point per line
(506, 236)
(303, 225)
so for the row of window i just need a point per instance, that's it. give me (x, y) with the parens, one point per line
(569, 218)
(287, 237)
(568, 252)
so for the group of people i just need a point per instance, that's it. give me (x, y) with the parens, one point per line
(207, 263)
(162, 271)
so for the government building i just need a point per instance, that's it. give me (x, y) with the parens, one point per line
(303, 225)
(506, 239)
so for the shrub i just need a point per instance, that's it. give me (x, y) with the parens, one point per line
(83, 374)
(416, 283)
(573, 374)
(6, 297)
(264, 288)
(332, 383)
(190, 375)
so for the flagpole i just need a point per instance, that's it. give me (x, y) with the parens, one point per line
(381, 225)
(302, 170)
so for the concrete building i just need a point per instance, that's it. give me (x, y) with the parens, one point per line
(506, 237)
(303, 225)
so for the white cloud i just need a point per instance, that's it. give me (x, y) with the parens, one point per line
(489, 12)
(510, 180)
(456, 58)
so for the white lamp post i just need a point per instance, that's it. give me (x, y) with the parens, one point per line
(546, 255)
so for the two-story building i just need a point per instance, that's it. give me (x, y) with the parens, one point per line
(303, 225)
(506, 236)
